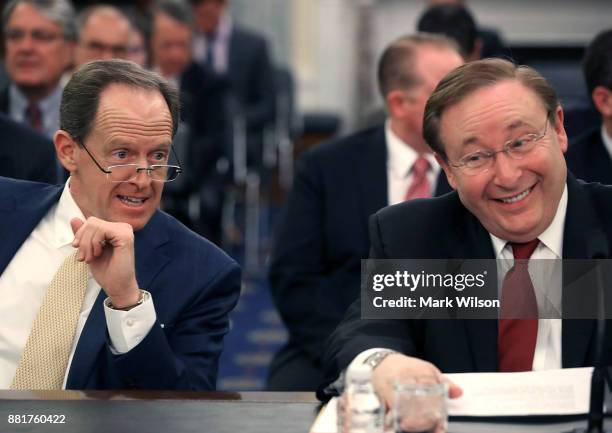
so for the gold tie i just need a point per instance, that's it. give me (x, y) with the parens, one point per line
(45, 356)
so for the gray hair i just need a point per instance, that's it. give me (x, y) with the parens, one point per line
(178, 10)
(61, 12)
(81, 95)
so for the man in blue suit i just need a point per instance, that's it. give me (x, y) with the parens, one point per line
(156, 305)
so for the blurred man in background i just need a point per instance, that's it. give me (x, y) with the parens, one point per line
(322, 237)
(590, 155)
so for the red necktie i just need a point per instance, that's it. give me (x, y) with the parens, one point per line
(34, 116)
(518, 325)
(419, 187)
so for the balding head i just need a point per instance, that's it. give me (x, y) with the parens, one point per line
(104, 33)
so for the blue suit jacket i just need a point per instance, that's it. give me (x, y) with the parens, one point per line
(194, 286)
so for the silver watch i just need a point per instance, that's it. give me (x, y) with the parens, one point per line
(377, 357)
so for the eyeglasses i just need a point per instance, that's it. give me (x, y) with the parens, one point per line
(481, 161)
(100, 47)
(128, 172)
(37, 35)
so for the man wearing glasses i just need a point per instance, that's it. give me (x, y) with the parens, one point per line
(497, 131)
(151, 306)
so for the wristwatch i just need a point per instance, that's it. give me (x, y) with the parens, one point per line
(143, 296)
(377, 357)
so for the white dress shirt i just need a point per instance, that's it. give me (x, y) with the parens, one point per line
(400, 159)
(547, 353)
(25, 280)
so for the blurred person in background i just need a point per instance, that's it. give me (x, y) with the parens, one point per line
(104, 34)
(242, 56)
(590, 155)
(203, 109)
(322, 235)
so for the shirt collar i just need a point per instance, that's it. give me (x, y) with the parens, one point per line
(401, 156)
(66, 210)
(551, 238)
(607, 140)
(49, 107)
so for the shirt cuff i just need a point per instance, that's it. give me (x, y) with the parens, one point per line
(127, 329)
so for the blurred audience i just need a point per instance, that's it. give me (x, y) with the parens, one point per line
(40, 37)
(203, 109)
(322, 236)
(104, 34)
(137, 47)
(590, 155)
(242, 56)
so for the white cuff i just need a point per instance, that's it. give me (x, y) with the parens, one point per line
(127, 329)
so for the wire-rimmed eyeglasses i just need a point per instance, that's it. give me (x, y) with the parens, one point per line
(518, 148)
(128, 172)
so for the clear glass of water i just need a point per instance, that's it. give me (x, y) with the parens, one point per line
(420, 405)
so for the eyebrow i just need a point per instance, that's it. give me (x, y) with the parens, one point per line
(510, 128)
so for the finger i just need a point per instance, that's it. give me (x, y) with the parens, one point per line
(85, 246)
(98, 243)
(454, 390)
(76, 224)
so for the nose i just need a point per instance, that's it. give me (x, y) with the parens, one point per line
(507, 171)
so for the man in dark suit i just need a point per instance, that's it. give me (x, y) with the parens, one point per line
(590, 155)
(25, 154)
(323, 236)
(154, 310)
(243, 57)
(497, 130)
(203, 109)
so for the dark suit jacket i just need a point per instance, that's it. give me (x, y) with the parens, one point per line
(251, 77)
(203, 108)
(25, 154)
(193, 284)
(588, 158)
(446, 229)
(323, 235)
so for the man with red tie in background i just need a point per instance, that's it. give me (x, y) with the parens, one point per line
(323, 234)
(497, 131)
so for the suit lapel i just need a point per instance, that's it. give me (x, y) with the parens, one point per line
(583, 238)
(475, 242)
(150, 260)
(370, 161)
(20, 213)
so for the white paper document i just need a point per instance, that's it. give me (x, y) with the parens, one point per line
(548, 392)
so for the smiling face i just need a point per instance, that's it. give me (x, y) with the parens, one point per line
(132, 126)
(515, 200)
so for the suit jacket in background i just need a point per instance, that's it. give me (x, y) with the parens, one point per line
(446, 229)
(194, 286)
(588, 158)
(251, 77)
(322, 237)
(25, 154)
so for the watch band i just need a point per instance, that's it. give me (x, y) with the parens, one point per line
(110, 305)
(377, 357)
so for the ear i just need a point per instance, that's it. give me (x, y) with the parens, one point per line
(476, 53)
(602, 98)
(559, 130)
(452, 181)
(396, 103)
(66, 148)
